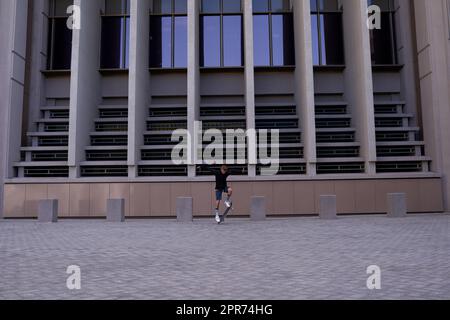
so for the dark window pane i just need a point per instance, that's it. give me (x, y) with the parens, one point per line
(232, 41)
(385, 5)
(180, 50)
(60, 7)
(315, 39)
(114, 43)
(211, 41)
(232, 6)
(62, 45)
(332, 39)
(260, 5)
(162, 6)
(117, 6)
(313, 4)
(383, 51)
(126, 39)
(211, 6)
(261, 40)
(160, 42)
(181, 6)
(328, 5)
(280, 5)
(282, 40)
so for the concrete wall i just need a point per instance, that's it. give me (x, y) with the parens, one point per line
(283, 197)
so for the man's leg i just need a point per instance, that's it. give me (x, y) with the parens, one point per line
(218, 199)
(229, 193)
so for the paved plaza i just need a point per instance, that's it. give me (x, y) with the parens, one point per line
(294, 258)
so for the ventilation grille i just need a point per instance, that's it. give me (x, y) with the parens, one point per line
(388, 123)
(104, 171)
(59, 114)
(220, 112)
(386, 167)
(236, 170)
(113, 113)
(340, 168)
(333, 123)
(109, 155)
(224, 125)
(111, 127)
(53, 141)
(276, 110)
(158, 154)
(284, 169)
(46, 172)
(56, 127)
(393, 151)
(168, 112)
(330, 137)
(49, 156)
(277, 124)
(337, 152)
(165, 139)
(166, 126)
(162, 171)
(109, 141)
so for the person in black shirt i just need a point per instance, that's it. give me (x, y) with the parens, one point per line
(221, 187)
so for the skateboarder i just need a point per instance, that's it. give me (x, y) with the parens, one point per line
(221, 187)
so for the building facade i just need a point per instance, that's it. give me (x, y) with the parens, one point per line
(90, 97)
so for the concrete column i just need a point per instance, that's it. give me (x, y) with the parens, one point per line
(185, 207)
(13, 39)
(358, 78)
(250, 84)
(433, 55)
(193, 79)
(304, 81)
(115, 211)
(85, 82)
(258, 209)
(48, 211)
(327, 207)
(139, 81)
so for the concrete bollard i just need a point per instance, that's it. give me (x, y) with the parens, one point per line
(115, 210)
(48, 211)
(396, 205)
(185, 208)
(258, 209)
(327, 207)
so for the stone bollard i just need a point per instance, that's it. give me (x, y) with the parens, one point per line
(258, 209)
(185, 208)
(48, 211)
(396, 205)
(327, 207)
(115, 210)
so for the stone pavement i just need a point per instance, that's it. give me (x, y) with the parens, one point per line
(295, 258)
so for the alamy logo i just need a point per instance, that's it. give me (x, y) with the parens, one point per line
(374, 17)
(374, 280)
(74, 280)
(74, 20)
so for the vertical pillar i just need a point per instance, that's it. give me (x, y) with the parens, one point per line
(139, 81)
(193, 80)
(304, 78)
(250, 85)
(358, 78)
(13, 39)
(85, 81)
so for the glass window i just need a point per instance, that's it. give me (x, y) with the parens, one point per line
(59, 47)
(115, 43)
(168, 34)
(260, 5)
(383, 41)
(232, 6)
(261, 40)
(327, 33)
(232, 41)
(211, 41)
(59, 7)
(221, 33)
(211, 6)
(117, 7)
(162, 6)
(180, 42)
(273, 34)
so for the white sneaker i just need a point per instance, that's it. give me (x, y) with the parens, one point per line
(217, 217)
(228, 203)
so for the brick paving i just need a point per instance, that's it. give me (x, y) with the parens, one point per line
(295, 258)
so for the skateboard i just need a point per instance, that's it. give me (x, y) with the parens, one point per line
(224, 215)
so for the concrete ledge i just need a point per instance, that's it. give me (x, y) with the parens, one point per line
(396, 205)
(115, 210)
(258, 209)
(185, 208)
(327, 207)
(48, 211)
